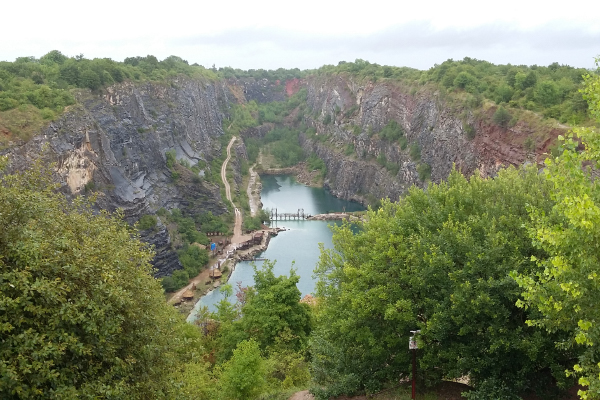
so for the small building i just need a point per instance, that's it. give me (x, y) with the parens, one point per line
(215, 274)
(188, 295)
(257, 238)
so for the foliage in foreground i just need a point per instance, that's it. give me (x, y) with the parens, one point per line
(81, 314)
(439, 261)
(259, 345)
(566, 288)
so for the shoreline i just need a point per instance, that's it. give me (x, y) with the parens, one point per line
(234, 256)
(299, 171)
(336, 216)
(247, 250)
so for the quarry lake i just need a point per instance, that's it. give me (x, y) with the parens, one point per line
(299, 244)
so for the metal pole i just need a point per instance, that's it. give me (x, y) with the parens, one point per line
(414, 372)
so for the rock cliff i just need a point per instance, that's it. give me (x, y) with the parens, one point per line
(115, 143)
(346, 115)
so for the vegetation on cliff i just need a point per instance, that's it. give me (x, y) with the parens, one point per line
(553, 90)
(33, 90)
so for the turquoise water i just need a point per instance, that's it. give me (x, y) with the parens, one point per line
(299, 245)
(287, 195)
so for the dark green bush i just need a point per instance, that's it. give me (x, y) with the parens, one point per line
(147, 221)
(502, 117)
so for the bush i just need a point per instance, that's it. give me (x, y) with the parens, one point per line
(391, 132)
(415, 152)
(502, 117)
(82, 316)
(170, 155)
(349, 149)
(470, 131)
(147, 221)
(424, 171)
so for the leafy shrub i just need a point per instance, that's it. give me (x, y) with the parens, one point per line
(171, 158)
(392, 131)
(502, 117)
(349, 149)
(415, 152)
(470, 131)
(146, 222)
(424, 171)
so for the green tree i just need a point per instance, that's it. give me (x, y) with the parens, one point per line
(503, 94)
(243, 376)
(270, 310)
(547, 93)
(438, 260)
(502, 117)
(566, 289)
(463, 79)
(82, 316)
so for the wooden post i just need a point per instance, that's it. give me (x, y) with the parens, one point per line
(414, 372)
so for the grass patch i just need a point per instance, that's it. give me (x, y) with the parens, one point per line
(22, 123)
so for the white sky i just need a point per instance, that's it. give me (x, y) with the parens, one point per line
(308, 33)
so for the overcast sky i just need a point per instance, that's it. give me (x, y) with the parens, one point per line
(307, 34)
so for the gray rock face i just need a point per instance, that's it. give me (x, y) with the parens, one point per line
(260, 90)
(116, 144)
(356, 111)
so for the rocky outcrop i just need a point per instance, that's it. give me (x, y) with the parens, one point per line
(115, 143)
(347, 115)
(259, 90)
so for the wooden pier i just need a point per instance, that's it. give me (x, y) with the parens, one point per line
(297, 216)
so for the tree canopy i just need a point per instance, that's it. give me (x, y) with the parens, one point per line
(566, 288)
(439, 261)
(80, 313)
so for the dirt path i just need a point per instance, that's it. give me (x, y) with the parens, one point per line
(237, 233)
(303, 395)
(200, 278)
(238, 237)
(253, 191)
(224, 172)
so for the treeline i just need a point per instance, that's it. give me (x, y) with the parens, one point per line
(280, 74)
(34, 91)
(551, 90)
(44, 82)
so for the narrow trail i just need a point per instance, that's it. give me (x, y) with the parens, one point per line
(253, 197)
(237, 233)
(238, 237)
